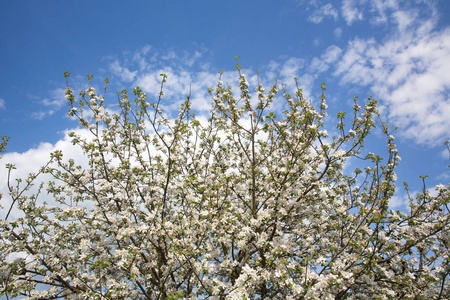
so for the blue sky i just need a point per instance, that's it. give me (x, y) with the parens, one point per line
(396, 51)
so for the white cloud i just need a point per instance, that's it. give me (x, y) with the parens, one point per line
(140, 57)
(445, 153)
(30, 162)
(408, 73)
(444, 176)
(331, 54)
(316, 42)
(123, 72)
(54, 102)
(39, 115)
(288, 70)
(187, 74)
(398, 201)
(178, 85)
(403, 20)
(322, 64)
(57, 99)
(291, 67)
(318, 65)
(148, 63)
(380, 8)
(350, 12)
(401, 200)
(322, 12)
(50, 105)
(191, 59)
(401, 13)
(338, 32)
(2, 103)
(195, 76)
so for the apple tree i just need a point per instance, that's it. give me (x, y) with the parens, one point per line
(249, 203)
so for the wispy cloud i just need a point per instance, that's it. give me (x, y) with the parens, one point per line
(50, 105)
(39, 115)
(350, 11)
(57, 99)
(291, 67)
(2, 103)
(190, 73)
(144, 67)
(338, 32)
(374, 11)
(123, 72)
(322, 64)
(140, 57)
(322, 12)
(402, 13)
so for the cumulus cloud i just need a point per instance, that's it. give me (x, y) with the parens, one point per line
(30, 162)
(407, 71)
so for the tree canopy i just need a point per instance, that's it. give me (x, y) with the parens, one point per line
(248, 204)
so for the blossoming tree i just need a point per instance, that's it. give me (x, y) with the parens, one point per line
(247, 205)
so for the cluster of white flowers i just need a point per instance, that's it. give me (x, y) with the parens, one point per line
(246, 206)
